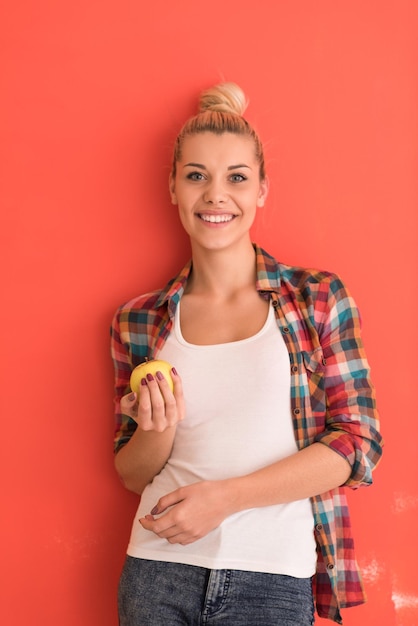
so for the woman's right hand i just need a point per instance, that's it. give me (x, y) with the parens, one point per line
(156, 407)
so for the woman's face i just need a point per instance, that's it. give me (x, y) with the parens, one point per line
(217, 188)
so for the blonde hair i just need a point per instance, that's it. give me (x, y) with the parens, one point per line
(221, 110)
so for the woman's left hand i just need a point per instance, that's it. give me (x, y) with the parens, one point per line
(191, 512)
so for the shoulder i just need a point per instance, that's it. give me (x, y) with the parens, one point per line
(320, 295)
(318, 292)
(300, 278)
(313, 281)
(139, 316)
(155, 303)
(143, 303)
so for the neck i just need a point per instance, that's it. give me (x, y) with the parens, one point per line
(222, 272)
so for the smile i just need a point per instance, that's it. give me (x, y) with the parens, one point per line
(216, 219)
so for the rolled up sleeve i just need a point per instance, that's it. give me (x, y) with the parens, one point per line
(352, 421)
(124, 425)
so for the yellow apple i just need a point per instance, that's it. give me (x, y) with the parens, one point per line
(150, 367)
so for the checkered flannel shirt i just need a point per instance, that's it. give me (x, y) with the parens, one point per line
(332, 397)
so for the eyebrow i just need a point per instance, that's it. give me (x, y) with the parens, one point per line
(231, 167)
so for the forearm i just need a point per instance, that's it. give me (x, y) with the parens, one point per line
(143, 457)
(157, 412)
(191, 512)
(310, 472)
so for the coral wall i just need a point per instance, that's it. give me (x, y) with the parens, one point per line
(92, 95)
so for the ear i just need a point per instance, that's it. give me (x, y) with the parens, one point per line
(172, 186)
(263, 192)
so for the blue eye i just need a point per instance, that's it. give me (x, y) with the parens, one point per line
(238, 178)
(195, 176)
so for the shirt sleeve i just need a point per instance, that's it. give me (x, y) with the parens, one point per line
(352, 423)
(125, 426)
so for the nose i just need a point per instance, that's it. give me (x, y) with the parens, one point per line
(215, 193)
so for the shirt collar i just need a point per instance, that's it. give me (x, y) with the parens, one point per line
(268, 271)
(268, 279)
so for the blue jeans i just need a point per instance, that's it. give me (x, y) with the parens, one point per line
(156, 593)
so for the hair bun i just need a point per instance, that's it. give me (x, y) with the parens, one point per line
(224, 98)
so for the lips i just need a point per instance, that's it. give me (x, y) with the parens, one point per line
(216, 219)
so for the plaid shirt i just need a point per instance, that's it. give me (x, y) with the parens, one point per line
(332, 398)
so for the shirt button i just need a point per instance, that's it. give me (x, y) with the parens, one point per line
(275, 303)
(294, 368)
(296, 411)
(318, 527)
(286, 329)
(330, 565)
(324, 361)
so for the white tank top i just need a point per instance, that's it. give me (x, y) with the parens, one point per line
(238, 420)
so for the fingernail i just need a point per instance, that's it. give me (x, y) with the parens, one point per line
(159, 375)
(143, 382)
(154, 510)
(173, 369)
(131, 397)
(150, 377)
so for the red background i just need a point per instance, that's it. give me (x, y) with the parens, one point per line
(93, 93)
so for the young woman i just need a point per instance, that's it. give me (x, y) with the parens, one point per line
(242, 519)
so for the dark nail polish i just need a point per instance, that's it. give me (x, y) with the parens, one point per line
(150, 377)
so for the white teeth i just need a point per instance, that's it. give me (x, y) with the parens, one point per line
(216, 219)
